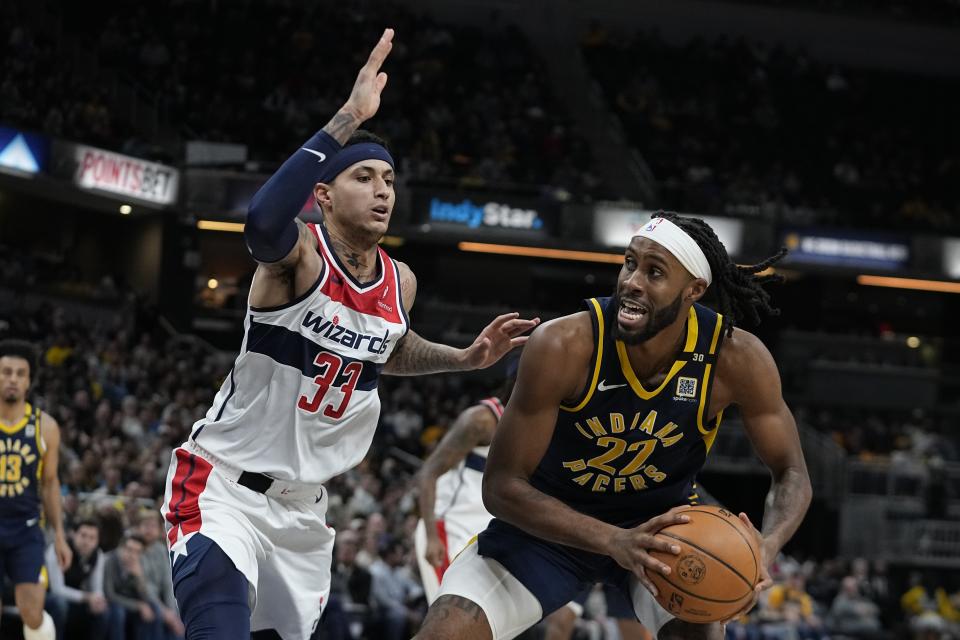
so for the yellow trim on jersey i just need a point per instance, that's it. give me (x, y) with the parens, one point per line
(10, 430)
(596, 365)
(709, 435)
(692, 332)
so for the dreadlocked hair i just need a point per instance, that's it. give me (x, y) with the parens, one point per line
(738, 289)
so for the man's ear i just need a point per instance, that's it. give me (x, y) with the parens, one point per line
(696, 289)
(322, 193)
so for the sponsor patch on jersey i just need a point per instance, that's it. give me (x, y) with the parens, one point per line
(686, 387)
(31, 431)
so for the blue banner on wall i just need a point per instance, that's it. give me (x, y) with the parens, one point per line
(853, 249)
(485, 214)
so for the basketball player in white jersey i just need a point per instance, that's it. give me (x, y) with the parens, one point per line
(245, 502)
(450, 489)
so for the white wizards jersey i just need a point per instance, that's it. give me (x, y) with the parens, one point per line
(301, 402)
(459, 491)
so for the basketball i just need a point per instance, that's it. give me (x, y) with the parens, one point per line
(716, 570)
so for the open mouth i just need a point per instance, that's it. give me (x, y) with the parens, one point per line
(631, 312)
(382, 209)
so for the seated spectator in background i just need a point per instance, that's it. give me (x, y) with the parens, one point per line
(76, 598)
(349, 614)
(124, 583)
(917, 599)
(852, 613)
(156, 572)
(789, 612)
(395, 591)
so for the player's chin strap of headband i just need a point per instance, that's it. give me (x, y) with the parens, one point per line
(353, 154)
(683, 247)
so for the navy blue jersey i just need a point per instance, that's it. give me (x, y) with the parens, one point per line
(21, 467)
(624, 454)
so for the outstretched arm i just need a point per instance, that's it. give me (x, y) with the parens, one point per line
(472, 428)
(270, 231)
(415, 356)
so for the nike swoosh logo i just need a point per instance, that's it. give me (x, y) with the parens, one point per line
(322, 156)
(31, 522)
(604, 387)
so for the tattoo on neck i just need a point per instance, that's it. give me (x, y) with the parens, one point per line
(360, 268)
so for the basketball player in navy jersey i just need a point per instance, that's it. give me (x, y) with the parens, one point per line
(452, 511)
(29, 444)
(613, 414)
(328, 311)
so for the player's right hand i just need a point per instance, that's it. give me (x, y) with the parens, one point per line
(630, 547)
(435, 552)
(364, 100)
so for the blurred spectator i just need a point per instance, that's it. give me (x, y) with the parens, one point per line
(156, 572)
(76, 599)
(852, 613)
(789, 610)
(395, 592)
(350, 611)
(125, 584)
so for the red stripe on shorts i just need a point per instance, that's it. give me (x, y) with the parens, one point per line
(189, 481)
(442, 532)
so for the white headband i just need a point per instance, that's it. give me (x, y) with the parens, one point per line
(683, 247)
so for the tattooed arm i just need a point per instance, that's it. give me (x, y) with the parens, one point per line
(415, 356)
(472, 428)
(286, 250)
(773, 432)
(747, 374)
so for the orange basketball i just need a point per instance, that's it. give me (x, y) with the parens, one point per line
(718, 566)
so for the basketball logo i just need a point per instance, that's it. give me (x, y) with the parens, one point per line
(691, 569)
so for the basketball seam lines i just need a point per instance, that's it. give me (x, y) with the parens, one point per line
(709, 553)
(756, 564)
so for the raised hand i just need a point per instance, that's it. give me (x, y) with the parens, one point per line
(364, 99)
(497, 339)
(631, 548)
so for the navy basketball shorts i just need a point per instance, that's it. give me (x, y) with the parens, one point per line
(21, 553)
(518, 579)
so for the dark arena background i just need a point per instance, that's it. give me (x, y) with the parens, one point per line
(532, 137)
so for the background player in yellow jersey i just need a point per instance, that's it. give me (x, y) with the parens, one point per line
(29, 441)
(613, 414)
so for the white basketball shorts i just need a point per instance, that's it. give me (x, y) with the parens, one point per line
(282, 546)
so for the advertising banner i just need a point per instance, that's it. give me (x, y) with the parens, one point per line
(841, 248)
(484, 214)
(119, 175)
(615, 223)
(22, 153)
